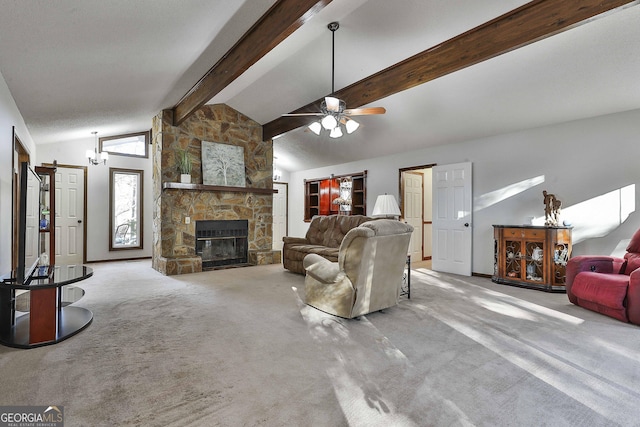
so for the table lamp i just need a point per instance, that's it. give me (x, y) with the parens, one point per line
(386, 207)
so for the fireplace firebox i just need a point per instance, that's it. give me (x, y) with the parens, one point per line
(222, 243)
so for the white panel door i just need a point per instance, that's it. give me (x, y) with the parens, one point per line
(452, 188)
(412, 207)
(279, 215)
(69, 216)
(427, 213)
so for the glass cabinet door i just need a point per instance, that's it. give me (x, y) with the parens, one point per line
(535, 261)
(513, 256)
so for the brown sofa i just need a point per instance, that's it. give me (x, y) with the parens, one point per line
(323, 238)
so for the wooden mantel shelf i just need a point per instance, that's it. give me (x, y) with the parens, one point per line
(202, 187)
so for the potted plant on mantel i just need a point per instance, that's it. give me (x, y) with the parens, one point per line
(184, 164)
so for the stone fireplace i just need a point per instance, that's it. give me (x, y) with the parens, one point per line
(179, 207)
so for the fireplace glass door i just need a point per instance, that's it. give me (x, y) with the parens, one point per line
(222, 243)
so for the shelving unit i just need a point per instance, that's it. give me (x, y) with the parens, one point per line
(359, 194)
(47, 212)
(319, 194)
(312, 199)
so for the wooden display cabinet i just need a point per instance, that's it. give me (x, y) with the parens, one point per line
(47, 224)
(359, 194)
(320, 193)
(311, 199)
(531, 256)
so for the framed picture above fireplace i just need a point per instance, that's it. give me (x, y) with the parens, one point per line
(222, 164)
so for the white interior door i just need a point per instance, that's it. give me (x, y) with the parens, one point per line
(279, 215)
(452, 188)
(70, 194)
(412, 206)
(427, 214)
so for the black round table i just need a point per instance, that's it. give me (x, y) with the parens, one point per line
(50, 317)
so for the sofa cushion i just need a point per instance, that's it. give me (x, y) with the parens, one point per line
(330, 230)
(342, 226)
(316, 249)
(317, 229)
(604, 293)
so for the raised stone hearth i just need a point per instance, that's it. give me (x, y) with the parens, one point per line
(174, 239)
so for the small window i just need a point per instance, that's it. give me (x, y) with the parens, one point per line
(132, 144)
(125, 219)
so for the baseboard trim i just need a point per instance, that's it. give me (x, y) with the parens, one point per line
(486, 276)
(119, 259)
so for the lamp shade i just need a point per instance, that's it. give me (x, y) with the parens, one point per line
(386, 206)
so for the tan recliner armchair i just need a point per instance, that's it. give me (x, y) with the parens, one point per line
(368, 274)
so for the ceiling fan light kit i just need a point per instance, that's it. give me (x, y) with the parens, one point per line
(333, 110)
(329, 122)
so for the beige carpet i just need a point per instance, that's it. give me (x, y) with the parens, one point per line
(238, 347)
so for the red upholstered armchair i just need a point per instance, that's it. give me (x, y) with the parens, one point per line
(608, 285)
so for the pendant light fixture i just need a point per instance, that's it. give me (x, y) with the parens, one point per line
(96, 157)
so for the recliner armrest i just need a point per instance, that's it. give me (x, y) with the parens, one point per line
(321, 269)
(598, 264)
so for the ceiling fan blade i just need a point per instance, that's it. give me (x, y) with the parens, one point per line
(302, 114)
(365, 111)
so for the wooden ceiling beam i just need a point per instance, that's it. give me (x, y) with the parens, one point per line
(282, 19)
(527, 24)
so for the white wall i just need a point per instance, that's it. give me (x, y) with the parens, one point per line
(73, 153)
(285, 176)
(9, 117)
(585, 163)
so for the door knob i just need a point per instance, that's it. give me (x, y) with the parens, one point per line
(79, 221)
(466, 224)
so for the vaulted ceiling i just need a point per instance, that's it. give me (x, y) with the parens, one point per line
(74, 66)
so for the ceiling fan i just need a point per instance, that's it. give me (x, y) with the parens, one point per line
(334, 111)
